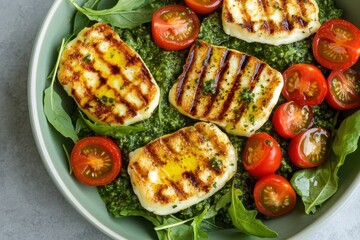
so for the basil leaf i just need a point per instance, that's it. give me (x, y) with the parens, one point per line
(316, 185)
(112, 131)
(125, 14)
(245, 220)
(57, 116)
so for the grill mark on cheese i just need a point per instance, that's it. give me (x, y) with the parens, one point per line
(242, 88)
(247, 19)
(176, 169)
(223, 68)
(200, 81)
(117, 73)
(235, 87)
(183, 78)
(270, 21)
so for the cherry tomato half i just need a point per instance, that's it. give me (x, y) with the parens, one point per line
(95, 161)
(262, 155)
(290, 118)
(174, 27)
(304, 84)
(344, 89)
(203, 6)
(274, 195)
(336, 44)
(309, 148)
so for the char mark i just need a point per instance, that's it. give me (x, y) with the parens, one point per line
(236, 85)
(183, 78)
(200, 81)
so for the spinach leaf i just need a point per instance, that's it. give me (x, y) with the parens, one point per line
(53, 109)
(125, 14)
(316, 185)
(245, 220)
(113, 131)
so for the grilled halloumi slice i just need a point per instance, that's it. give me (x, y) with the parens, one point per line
(107, 79)
(181, 169)
(273, 22)
(232, 89)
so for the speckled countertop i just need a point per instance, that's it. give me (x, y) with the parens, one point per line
(31, 207)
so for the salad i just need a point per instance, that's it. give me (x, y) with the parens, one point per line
(323, 116)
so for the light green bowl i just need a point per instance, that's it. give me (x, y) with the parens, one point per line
(86, 200)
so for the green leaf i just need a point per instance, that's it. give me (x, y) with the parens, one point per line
(125, 14)
(316, 185)
(245, 220)
(112, 131)
(53, 109)
(81, 21)
(57, 116)
(196, 225)
(173, 228)
(347, 136)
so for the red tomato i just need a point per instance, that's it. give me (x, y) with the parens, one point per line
(262, 155)
(174, 27)
(336, 44)
(95, 161)
(290, 118)
(309, 148)
(304, 84)
(203, 6)
(344, 89)
(274, 195)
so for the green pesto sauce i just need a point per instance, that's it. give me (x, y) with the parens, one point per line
(166, 66)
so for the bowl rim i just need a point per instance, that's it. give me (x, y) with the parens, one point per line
(59, 183)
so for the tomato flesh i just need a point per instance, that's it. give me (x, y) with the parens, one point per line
(309, 148)
(203, 6)
(95, 161)
(290, 118)
(174, 27)
(304, 84)
(344, 89)
(274, 195)
(336, 44)
(262, 155)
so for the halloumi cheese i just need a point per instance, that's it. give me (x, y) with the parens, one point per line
(181, 169)
(232, 89)
(273, 22)
(107, 79)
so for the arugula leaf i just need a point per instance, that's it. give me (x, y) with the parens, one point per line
(125, 14)
(245, 220)
(81, 21)
(316, 185)
(173, 228)
(53, 109)
(113, 131)
(196, 226)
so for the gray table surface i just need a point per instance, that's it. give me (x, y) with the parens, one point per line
(31, 207)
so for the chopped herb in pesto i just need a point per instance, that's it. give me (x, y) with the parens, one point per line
(247, 96)
(269, 142)
(106, 100)
(215, 163)
(209, 87)
(87, 58)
